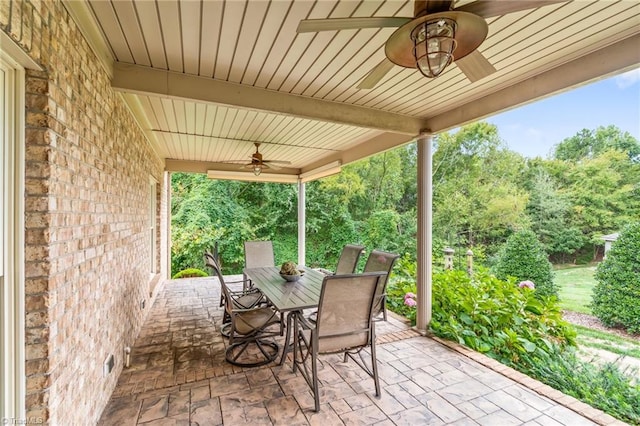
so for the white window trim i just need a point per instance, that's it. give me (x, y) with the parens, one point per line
(13, 386)
(153, 226)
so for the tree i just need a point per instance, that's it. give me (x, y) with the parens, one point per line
(589, 144)
(549, 212)
(477, 198)
(616, 296)
(205, 211)
(523, 258)
(604, 193)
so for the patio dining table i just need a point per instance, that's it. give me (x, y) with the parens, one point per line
(287, 297)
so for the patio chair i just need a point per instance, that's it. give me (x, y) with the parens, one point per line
(244, 299)
(249, 327)
(347, 261)
(381, 261)
(258, 254)
(344, 325)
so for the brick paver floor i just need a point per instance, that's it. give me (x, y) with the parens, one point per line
(178, 376)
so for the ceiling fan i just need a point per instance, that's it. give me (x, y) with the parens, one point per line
(257, 163)
(439, 33)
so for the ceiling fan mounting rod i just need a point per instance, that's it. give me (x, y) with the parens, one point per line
(425, 7)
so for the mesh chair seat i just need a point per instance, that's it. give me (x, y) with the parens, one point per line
(255, 319)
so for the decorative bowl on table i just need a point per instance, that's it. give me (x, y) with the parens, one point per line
(291, 278)
(290, 272)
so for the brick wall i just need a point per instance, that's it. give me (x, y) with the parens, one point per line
(87, 250)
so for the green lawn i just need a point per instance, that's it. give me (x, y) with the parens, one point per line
(575, 285)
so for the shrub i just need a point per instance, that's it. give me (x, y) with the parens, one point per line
(616, 295)
(523, 258)
(496, 317)
(190, 273)
(401, 283)
(602, 386)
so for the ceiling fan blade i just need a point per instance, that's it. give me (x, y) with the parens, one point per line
(475, 66)
(231, 161)
(376, 74)
(332, 24)
(276, 162)
(270, 165)
(491, 8)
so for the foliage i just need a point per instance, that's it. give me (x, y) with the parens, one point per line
(205, 211)
(603, 387)
(401, 283)
(592, 143)
(604, 193)
(616, 296)
(190, 273)
(509, 324)
(482, 194)
(549, 212)
(496, 317)
(477, 198)
(523, 258)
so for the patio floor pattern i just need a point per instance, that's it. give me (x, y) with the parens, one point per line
(178, 376)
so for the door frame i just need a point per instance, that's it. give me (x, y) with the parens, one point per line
(12, 363)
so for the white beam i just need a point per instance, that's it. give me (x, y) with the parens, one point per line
(424, 277)
(373, 146)
(149, 81)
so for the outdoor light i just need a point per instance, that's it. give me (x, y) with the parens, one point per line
(434, 43)
(257, 169)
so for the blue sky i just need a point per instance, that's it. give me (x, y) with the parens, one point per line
(534, 129)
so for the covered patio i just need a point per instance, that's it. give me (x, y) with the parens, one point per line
(103, 100)
(178, 376)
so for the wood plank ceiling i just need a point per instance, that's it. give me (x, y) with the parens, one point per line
(207, 79)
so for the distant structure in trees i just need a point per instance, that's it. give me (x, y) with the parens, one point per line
(608, 242)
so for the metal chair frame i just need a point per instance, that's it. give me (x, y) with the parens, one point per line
(381, 261)
(248, 325)
(258, 254)
(244, 299)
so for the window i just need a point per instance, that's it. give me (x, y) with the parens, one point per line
(153, 229)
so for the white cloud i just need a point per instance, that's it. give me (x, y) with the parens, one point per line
(628, 78)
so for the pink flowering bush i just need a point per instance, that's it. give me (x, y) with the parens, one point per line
(410, 300)
(527, 284)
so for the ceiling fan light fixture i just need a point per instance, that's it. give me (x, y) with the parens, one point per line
(434, 43)
(257, 169)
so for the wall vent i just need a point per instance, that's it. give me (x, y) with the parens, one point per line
(107, 367)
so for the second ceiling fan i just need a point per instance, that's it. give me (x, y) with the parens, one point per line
(257, 163)
(439, 33)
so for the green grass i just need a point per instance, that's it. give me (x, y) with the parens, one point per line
(610, 342)
(576, 285)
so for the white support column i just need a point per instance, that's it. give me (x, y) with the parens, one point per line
(425, 223)
(301, 224)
